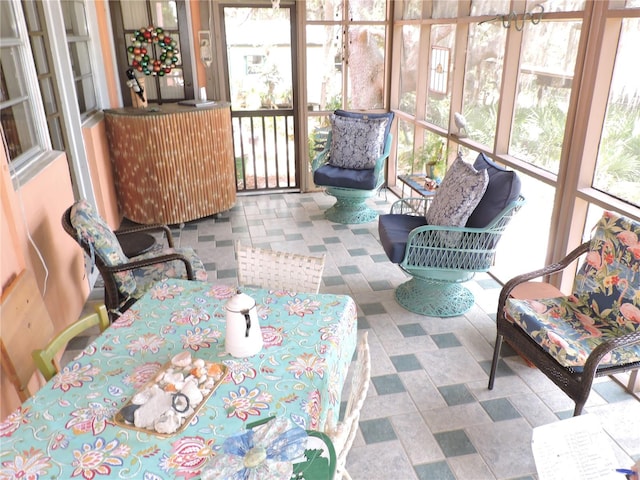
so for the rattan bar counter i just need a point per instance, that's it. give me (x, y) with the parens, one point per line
(172, 163)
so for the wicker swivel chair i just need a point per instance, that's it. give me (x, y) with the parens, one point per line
(343, 433)
(127, 279)
(440, 258)
(276, 270)
(595, 331)
(351, 167)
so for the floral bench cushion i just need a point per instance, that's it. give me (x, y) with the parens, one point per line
(605, 303)
(94, 231)
(145, 277)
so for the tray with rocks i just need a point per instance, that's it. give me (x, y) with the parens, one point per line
(167, 403)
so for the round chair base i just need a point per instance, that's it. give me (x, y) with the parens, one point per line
(434, 299)
(347, 212)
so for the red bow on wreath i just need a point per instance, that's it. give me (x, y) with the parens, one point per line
(143, 41)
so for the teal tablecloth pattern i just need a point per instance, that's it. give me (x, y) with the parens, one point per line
(66, 429)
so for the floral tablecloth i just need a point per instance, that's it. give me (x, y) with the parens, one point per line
(66, 430)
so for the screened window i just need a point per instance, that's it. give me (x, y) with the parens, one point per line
(482, 80)
(346, 49)
(440, 62)
(409, 68)
(79, 43)
(19, 113)
(46, 79)
(618, 167)
(547, 64)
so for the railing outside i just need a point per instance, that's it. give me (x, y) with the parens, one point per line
(264, 150)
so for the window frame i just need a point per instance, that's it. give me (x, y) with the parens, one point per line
(34, 158)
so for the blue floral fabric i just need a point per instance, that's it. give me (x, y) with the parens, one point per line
(605, 303)
(92, 229)
(132, 283)
(145, 277)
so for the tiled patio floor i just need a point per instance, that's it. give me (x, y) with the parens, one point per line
(429, 414)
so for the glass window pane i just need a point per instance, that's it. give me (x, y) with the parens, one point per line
(366, 67)
(412, 9)
(409, 68)
(40, 55)
(618, 166)
(80, 62)
(18, 129)
(55, 132)
(8, 25)
(134, 15)
(86, 95)
(324, 66)
(327, 10)
(444, 9)
(48, 96)
(172, 84)
(31, 15)
(164, 14)
(440, 78)
(482, 80)
(75, 19)
(489, 7)
(544, 86)
(371, 10)
(11, 74)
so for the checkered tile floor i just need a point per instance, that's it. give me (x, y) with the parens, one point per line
(429, 414)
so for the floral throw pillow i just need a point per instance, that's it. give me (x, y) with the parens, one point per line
(458, 195)
(92, 229)
(356, 143)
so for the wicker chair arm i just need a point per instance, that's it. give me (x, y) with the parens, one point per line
(505, 292)
(591, 365)
(147, 228)
(152, 261)
(323, 156)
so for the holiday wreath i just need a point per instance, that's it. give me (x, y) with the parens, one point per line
(143, 41)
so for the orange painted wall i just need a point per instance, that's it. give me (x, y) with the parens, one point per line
(29, 216)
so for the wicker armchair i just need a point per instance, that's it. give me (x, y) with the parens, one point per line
(276, 270)
(591, 333)
(126, 279)
(337, 169)
(343, 433)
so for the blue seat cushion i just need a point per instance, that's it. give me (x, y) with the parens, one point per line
(331, 176)
(502, 189)
(393, 230)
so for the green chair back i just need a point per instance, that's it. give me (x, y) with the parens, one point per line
(45, 358)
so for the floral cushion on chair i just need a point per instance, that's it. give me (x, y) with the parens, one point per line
(356, 143)
(93, 230)
(145, 277)
(605, 303)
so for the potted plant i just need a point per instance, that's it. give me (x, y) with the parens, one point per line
(430, 159)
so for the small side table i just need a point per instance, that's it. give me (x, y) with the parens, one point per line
(416, 182)
(134, 244)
